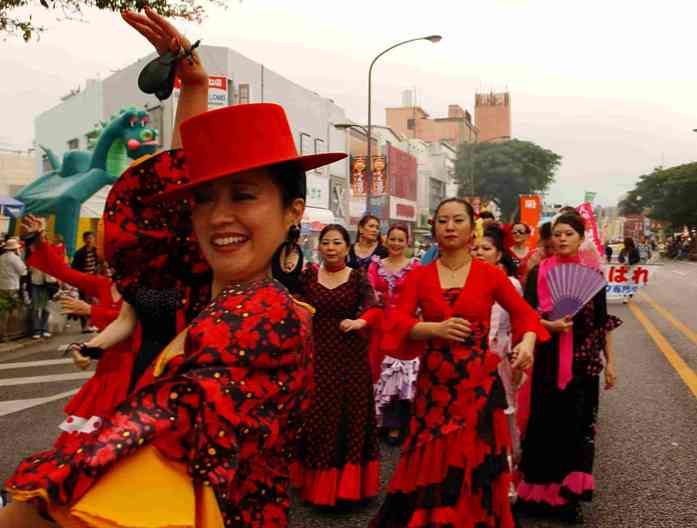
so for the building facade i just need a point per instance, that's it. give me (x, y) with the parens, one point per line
(414, 122)
(492, 115)
(234, 79)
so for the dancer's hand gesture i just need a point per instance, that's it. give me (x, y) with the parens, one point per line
(166, 38)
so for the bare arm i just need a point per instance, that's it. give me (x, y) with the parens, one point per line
(120, 329)
(190, 71)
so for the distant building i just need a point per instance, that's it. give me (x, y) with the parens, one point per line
(413, 122)
(234, 79)
(17, 169)
(492, 116)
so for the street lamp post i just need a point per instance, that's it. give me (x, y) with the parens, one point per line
(431, 38)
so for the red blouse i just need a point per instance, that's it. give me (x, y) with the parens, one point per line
(455, 379)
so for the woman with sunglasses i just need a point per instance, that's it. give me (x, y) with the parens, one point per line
(208, 441)
(520, 250)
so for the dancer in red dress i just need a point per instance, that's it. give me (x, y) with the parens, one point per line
(339, 453)
(100, 395)
(209, 441)
(453, 471)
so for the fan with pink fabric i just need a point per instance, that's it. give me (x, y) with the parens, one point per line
(571, 286)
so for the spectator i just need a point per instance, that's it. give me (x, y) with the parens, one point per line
(608, 252)
(11, 270)
(644, 250)
(85, 260)
(629, 253)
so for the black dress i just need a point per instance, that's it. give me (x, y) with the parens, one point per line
(356, 262)
(559, 444)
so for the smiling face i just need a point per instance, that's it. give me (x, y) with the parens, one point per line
(484, 249)
(453, 226)
(567, 240)
(239, 222)
(370, 230)
(396, 242)
(333, 248)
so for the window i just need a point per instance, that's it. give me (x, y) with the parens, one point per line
(73, 144)
(305, 144)
(411, 124)
(319, 149)
(243, 95)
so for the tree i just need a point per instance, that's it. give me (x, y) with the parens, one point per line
(669, 195)
(503, 171)
(24, 26)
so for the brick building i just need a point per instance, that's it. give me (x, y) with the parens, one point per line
(492, 115)
(414, 122)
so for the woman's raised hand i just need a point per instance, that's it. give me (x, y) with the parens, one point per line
(166, 38)
(31, 225)
(454, 329)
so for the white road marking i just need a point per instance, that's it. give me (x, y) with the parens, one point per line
(29, 364)
(681, 273)
(45, 379)
(13, 406)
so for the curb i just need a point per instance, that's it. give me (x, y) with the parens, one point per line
(18, 344)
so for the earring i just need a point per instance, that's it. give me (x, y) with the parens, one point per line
(293, 233)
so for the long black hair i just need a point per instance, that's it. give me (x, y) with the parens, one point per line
(495, 234)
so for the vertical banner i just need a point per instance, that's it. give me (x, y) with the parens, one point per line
(359, 184)
(379, 181)
(586, 211)
(530, 214)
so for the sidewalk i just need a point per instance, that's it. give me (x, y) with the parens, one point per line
(68, 336)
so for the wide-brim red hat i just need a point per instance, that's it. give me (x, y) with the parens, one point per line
(237, 139)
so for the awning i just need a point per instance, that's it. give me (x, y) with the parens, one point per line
(11, 207)
(315, 218)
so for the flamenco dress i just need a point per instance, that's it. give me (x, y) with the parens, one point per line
(209, 433)
(394, 378)
(559, 444)
(454, 471)
(108, 387)
(339, 449)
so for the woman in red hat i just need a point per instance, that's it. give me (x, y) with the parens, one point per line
(339, 450)
(209, 440)
(454, 468)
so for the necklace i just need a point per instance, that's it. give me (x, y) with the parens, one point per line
(456, 268)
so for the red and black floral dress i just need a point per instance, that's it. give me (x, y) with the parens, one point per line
(339, 449)
(228, 408)
(454, 471)
(209, 434)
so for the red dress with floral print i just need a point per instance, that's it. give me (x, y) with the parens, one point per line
(339, 449)
(453, 471)
(228, 408)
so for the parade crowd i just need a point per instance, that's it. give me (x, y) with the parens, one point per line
(230, 371)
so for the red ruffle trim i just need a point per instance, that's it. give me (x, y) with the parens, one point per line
(576, 484)
(429, 463)
(324, 487)
(108, 388)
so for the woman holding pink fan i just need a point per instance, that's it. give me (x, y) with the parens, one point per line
(558, 448)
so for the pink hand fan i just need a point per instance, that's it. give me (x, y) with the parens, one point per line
(571, 287)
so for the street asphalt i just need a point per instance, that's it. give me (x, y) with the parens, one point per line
(646, 463)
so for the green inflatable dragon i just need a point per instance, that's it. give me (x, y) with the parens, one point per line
(63, 190)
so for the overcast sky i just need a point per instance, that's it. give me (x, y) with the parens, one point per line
(608, 84)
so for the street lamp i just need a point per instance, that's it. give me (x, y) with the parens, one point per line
(431, 38)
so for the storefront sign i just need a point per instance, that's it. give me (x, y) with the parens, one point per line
(623, 280)
(217, 94)
(401, 209)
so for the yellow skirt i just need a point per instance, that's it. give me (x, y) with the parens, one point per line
(144, 490)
